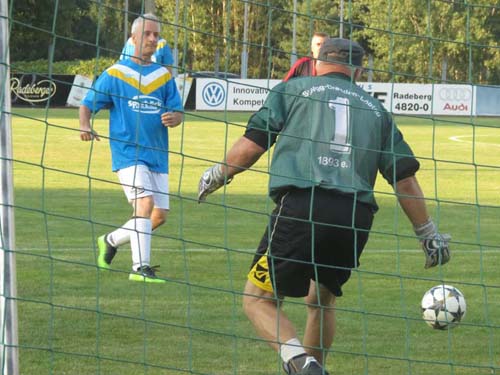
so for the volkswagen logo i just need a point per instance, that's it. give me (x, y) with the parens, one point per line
(213, 94)
(455, 94)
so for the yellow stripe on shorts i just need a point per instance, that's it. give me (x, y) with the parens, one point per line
(259, 274)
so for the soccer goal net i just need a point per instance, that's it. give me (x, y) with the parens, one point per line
(434, 65)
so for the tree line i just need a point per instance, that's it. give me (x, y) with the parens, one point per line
(421, 41)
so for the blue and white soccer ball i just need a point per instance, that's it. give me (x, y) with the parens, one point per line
(443, 307)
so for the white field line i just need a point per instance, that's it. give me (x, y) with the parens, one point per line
(460, 138)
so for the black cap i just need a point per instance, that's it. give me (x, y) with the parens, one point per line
(339, 50)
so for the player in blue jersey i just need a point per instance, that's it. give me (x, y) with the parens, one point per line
(331, 138)
(144, 102)
(163, 54)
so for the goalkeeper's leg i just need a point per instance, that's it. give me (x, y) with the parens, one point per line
(272, 324)
(265, 313)
(320, 326)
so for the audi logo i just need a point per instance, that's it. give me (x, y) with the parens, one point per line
(213, 94)
(455, 94)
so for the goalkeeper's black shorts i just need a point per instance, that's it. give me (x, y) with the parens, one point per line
(322, 242)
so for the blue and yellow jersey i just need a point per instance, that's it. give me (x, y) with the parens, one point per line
(136, 96)
(163, 54)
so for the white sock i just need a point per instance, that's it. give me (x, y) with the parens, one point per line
(290, 349)
(140, 241)
(120, 236)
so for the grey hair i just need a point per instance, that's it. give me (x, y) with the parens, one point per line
(139, 21)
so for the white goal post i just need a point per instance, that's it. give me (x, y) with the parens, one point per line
(9, 358)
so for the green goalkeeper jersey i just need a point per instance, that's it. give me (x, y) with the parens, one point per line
(331, 134)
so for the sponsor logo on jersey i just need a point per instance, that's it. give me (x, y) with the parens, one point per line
(145, 104)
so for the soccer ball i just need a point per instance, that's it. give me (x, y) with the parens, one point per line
(443, 307)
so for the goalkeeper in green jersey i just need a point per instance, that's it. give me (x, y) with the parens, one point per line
(330, 140)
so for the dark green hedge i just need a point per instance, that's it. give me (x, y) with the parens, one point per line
(89, 68)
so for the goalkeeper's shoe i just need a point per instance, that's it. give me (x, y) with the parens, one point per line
(106, 252)
(146, 274)
(304, 365)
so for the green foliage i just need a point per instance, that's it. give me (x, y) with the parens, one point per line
(65, 30)
(410, 40)
(89, 68)
(34, 25)
(212, 35)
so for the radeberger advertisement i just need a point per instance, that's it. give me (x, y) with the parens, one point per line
(38, 90)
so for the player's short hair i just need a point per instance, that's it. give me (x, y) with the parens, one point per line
(321, 34)
(139, 21)
(340, 50)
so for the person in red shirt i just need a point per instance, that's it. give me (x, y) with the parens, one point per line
(306, 66)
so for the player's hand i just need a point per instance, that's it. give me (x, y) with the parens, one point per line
(436, 249)
(435, 245)
(88, 134)
(171, 119)
(211, 180)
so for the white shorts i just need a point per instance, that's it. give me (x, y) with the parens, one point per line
(139, 182)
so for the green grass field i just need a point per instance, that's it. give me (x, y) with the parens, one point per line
(75, 319)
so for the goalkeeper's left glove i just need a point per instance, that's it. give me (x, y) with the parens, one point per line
(434, 244)
(211, 180)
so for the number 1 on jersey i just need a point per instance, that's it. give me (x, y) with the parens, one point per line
(339, 142)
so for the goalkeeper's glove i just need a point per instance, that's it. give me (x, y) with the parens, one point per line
(211, 180)
(434, 244)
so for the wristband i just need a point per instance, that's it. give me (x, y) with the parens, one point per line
(219, 176)
(426, 230)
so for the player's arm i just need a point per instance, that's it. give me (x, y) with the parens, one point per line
(242, 155)
(96, 99)
(434, 244)
(86, 131)
(398, 166)
(411, 199)
(262, 130)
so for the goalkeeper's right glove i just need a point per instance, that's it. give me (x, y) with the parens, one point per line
(211, 180)
(435, 245)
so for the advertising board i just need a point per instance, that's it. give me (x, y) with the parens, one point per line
(233, 94)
